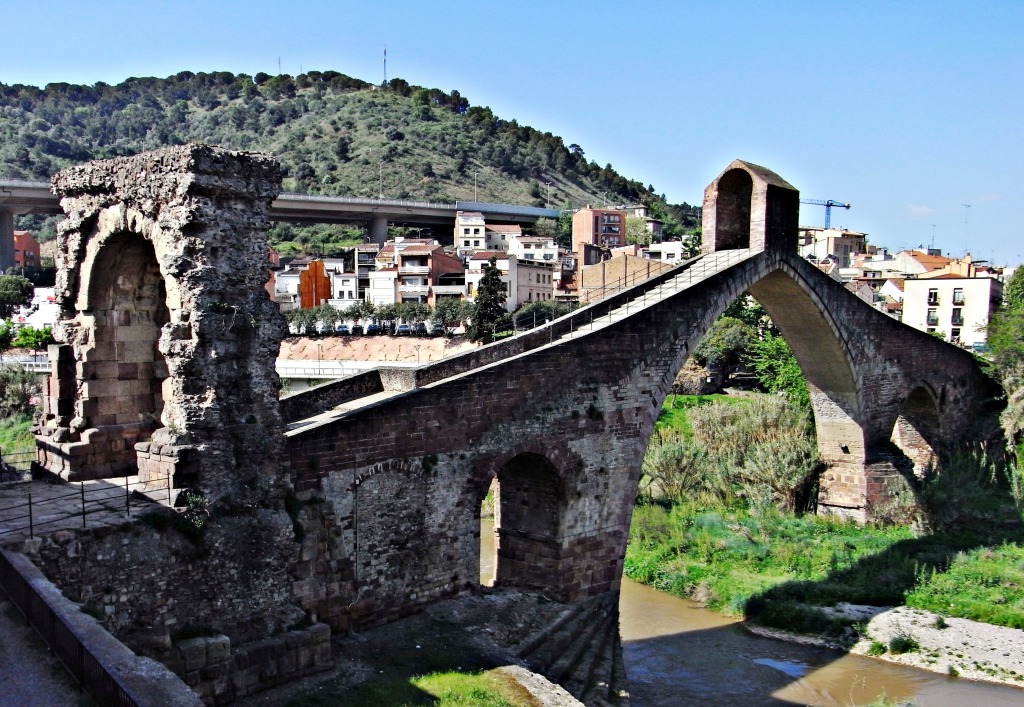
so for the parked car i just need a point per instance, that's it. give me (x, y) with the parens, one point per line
(372, 329)
(403, 330)
(437, 330)
(321, 328)
(357, 330)
(419, 329)
(341, 329)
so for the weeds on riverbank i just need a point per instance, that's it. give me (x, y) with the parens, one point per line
(707, 528)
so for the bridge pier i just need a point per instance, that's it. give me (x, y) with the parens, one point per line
(6, 238)
(379, 229)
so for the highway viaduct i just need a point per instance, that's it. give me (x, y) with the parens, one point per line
(25, 197)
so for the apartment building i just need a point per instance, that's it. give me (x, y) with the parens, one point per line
(601, 227)
(958, 308)
(838, 243)
(525, 280)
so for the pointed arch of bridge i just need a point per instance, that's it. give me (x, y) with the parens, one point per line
(528, 509)
(733, 209)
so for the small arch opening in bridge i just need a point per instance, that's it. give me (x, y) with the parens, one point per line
(917, 429)
(527, 505)
(735, 192)
(124, 371)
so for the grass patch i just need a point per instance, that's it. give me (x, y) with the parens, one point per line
(673, 411)
(903, 644)
(984, 584)
(439, 689)
(776, 568)
(15, 435)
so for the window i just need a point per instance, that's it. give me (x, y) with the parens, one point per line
(933, 317)
(476, 231)
(465, 243)
(955, 336)
(958, 295)
(476, 244)
(958, 317)
(465, 231)
(933, 296)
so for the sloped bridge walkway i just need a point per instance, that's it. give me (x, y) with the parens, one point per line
(393, 465)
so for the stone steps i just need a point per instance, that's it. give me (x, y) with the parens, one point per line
(578, 651)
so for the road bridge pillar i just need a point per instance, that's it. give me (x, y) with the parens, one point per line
(6, 239)
(379, 229)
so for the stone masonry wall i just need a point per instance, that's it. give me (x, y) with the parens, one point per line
(587, 407)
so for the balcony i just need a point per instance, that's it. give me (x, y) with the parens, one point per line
(932, 320)
(450, 290)
(414, 269)
(414, 289)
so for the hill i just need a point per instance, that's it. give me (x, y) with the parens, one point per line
(334, 134)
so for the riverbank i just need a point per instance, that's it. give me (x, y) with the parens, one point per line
(926, 640)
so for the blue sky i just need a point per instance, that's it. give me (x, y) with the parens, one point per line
(906, 110)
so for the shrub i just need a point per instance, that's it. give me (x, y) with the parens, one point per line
(17, 387)
(903, 644)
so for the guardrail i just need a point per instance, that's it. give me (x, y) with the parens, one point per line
(95, 677)
(34, 515)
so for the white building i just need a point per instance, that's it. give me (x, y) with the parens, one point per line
(956, 307)
(525, 280)
(533, 248)
(667, 252)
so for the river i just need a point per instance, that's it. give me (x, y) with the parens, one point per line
(677, 653)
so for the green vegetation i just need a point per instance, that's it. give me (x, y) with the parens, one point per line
(15, 435)
(439, 689)
(760, 452)
(489, 310)
(15, 291)
(17, 388)
(712, 538)
(333, 134)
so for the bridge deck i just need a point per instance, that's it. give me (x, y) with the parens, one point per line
(645, 296)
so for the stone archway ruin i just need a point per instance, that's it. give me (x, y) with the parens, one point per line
(165, 365)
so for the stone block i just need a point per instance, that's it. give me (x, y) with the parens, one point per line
(193, 653)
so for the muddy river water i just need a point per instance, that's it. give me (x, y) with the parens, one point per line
(677, 653)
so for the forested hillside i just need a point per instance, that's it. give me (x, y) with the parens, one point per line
(333, 133)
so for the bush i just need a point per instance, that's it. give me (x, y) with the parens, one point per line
(17, 388)
(762, 452)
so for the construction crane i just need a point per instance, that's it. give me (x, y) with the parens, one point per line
(828, 204)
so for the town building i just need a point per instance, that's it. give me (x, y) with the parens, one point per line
(525, 281)
(533, 248)
(957, 308)
(600, 227)
(26, 250)
(839, 243)
(666, 252)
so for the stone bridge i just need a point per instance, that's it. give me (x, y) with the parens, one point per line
(363, 496)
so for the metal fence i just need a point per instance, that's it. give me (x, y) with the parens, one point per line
(91, 674)
(54, 512)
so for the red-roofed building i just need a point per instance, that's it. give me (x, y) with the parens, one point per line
(26, 250)
(525, 280)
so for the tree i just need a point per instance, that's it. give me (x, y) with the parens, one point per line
(7, 332)
(777, 368)
(636, 231)
(15, 292)
(490, 304)
(29, 337)
(450, 313)
(725, 343)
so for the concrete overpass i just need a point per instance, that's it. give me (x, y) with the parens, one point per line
(24, 197)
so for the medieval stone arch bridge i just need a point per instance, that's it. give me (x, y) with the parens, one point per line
(166, 366)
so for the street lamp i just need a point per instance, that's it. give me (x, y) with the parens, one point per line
(474, 186)
(548, 204)
(381, 195)
(319, 357)
(417, 347)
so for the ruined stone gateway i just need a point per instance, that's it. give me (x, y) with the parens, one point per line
(358, 502)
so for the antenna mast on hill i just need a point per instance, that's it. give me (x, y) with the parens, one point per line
(385, 66)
